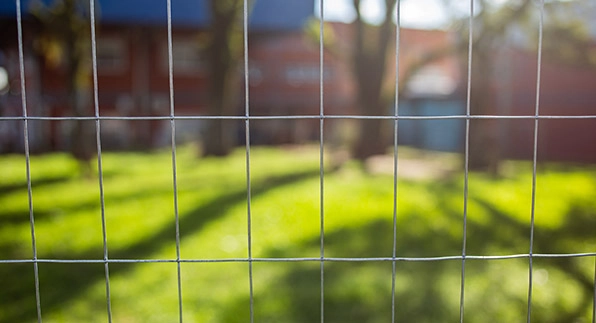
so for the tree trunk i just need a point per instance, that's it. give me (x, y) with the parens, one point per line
(219, 137)
(369, 65)
(485, 151)
(82, 145)
(371, 140)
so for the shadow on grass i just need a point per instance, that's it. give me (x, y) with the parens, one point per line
(16, 218)
(91, 204)
(61, 282)
(10, 188)
(496, 290)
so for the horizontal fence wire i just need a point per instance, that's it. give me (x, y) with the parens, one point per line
(312, 259)
(291, 117)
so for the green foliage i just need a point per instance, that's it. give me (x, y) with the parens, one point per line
(285, 221)
(65, 38)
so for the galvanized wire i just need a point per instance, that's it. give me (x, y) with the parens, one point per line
(28, 157)
(315, 259)
(321, 153)
(248, 177)
(299, 117)
(99, 158)
(395, 155)
(535, 161)
(466, 163)
(173, 144)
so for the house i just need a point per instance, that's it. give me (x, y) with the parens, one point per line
(284, 81)
(567, 90)
(434, 89)
(132, 61)
(567, 94)
(132, 67)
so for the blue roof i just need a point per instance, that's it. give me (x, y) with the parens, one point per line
(281, 14)
(184, 12)
(266, 14)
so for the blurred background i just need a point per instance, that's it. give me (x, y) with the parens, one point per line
(373, 68)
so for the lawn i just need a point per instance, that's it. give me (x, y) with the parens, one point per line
(285, 214)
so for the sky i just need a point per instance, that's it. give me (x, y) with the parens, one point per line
(423, 14)
(427, 14)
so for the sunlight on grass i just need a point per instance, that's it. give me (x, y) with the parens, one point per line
(285, 214)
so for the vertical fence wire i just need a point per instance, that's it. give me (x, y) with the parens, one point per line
(28, 157)
(534, 160)
(321, 152)
(173, 144)
(395, 155)
(466, 164)
(247, 139)
(99, 157)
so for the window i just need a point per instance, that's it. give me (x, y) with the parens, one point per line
(255, 74)
(111, 55)
(186, 56)
(432, 80)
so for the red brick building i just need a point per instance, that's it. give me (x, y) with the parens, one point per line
(132, 61)
(565, 91)
(132, 71)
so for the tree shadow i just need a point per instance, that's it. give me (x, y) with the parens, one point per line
(14, 187)
(429, 291)
(93, 203)
(361, 291)
(353, 291)
(16, 218)
(61, 282)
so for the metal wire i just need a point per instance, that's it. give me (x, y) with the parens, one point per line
(534, 161)
(99, 158)
(28, 158)
(314, 259)
(466, 164)
(299, 117)
(321, 153)
(395, 155)
(247, 139)
(173, 143)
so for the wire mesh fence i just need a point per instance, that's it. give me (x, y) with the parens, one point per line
(250, 261)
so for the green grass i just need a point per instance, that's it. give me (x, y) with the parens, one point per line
(285, 222)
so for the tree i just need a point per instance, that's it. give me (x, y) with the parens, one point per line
(564, 39)
(65, 42)
(368, 62)
(492, 26)
(223, 53)
(490, 30)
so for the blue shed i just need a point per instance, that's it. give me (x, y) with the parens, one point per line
(432, 134)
